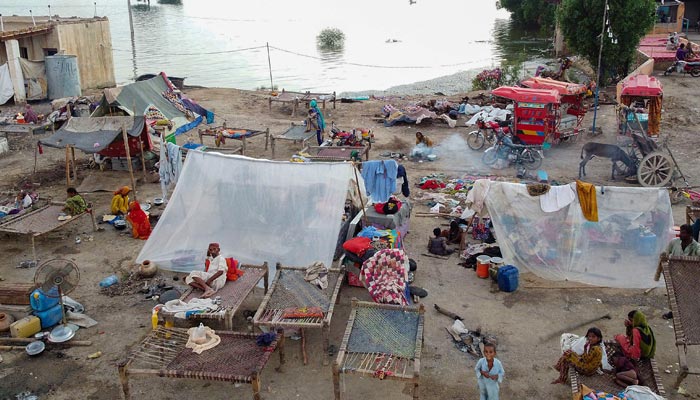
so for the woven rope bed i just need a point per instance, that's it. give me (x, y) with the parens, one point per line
(682, 276)
(335, 153)
(41, 221)
(295, 133)
(250, 133)
(383, 341)
(301, 97)
(290, 290)
(237, 359)
(232, 294)
(648, 376)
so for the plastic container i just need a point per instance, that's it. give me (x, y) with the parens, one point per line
(508, 278)
(41, 302)
(50, 317)
(646, 244)
(25, 327)
(483, 263)
(496, 264)
(109, 281)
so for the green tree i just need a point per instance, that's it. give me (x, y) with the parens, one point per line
(581, 22)
(539, 13)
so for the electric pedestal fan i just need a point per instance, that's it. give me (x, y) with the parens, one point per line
(64, 275)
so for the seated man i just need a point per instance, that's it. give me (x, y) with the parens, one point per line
(438, 244)
(75, 204)
(684, 245)
(215, 277)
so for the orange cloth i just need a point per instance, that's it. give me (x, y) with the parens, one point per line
(233, 272)
(587, 199)
(124, 190)
(140, 225)
(302, 312)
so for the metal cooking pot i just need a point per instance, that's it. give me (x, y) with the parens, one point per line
(120, 224)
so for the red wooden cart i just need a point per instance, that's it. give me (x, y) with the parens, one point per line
(534, 114)
(572, 108)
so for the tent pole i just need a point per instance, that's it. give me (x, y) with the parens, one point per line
(75, 168)
(36, 150)
(362, 201)
(143, 160)
(67, 169)
(128, 160)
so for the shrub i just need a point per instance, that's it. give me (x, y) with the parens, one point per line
(330, 39)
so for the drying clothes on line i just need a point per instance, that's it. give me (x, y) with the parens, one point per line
(557, 198)
(477, 196)
(317, 274)
(587, 198)
(401, 173)
(170, 166)
(380, 179)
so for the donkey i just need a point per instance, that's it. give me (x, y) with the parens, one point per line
(614, 153)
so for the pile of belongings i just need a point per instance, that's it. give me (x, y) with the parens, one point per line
(412, 114)
(23, 201)
(467, 341)
(633, 392)
(490, 113)
(71, 107)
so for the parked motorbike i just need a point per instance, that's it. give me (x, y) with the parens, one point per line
(530, 157)
(486, 133)
(347, 138)
(689, 67)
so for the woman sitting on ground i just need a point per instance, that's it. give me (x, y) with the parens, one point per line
(587, 363)
(120, 201)
(140, 224)
(420, 138)
(638, 342)
(75, 204)
(454, 234)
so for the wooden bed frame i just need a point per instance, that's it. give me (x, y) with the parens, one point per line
(213, 131)
(304, 97)
(324, 324)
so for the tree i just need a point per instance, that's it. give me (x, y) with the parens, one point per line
(539, 13)
(581, 22)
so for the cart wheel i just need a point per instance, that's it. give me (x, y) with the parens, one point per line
(655, 169)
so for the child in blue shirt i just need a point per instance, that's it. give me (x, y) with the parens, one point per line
(489, 373)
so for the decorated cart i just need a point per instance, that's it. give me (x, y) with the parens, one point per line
(641, 98)
(535, 113)
(572, 108)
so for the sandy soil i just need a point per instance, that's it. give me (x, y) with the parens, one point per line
(521, 320)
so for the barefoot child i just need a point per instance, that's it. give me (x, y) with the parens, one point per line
(489, 373)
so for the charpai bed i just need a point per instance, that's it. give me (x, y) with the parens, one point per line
(295, 133)
(40, 221)
(232, 294)
(301, 97)
(682, 277)
(648, 376)
(383, 341)
(290, 290)
(241, 134)
(236, 359)
(335, 153)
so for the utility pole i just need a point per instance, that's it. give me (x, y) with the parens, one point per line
(269, 65)
(133, 41)
(600, 57)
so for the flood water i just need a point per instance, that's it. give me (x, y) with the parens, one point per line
(223, 42)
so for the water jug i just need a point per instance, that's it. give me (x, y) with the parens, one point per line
(50, 317)
(508, 277)
(40, 301)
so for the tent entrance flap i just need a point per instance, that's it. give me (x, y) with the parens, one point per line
(258, 210)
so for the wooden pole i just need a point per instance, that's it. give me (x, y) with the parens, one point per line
(143, 160)
(269, 65)
(36, 150)
(362, 201)
(67, 168)
(128, 161)
(75, 168)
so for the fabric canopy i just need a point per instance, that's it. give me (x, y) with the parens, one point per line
(620, 250)
(6, 89)
(94, 134)
(136, 98)
(258, 210)
(527, 95)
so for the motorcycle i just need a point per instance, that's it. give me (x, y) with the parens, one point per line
(529, 156)
(689, 67)
(348, 138)
(477, 139)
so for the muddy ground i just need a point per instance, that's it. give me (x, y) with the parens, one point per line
(521, 320)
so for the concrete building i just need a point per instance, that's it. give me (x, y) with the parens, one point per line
(34, 38)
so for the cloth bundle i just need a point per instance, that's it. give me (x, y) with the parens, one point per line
(302, 312)
(317, 274)
(213, 341)
(385, 275)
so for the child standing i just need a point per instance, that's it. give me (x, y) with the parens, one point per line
(489, 373)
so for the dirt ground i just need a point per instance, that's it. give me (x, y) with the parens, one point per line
(521, 320)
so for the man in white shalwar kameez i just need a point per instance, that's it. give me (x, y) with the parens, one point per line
(214, 277)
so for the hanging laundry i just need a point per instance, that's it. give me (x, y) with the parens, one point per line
(401, 173)
(380, 179)
(170, 166)
(557, 198)
(587, 198)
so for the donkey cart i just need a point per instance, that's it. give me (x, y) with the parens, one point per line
(655, 168)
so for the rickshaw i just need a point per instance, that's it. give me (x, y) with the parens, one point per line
(572, 109)
(535, 113)
(640, 101)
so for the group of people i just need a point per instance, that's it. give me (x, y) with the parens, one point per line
(132, 212)
(637, 343)
(438, 244)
